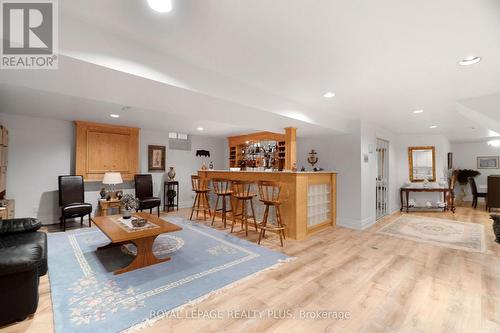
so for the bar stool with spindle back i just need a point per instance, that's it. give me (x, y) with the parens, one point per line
(222, 188)
(200, 187)
(271, 196)
(242, 194)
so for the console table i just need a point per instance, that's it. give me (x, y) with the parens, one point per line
(169, 202)
(448, 197)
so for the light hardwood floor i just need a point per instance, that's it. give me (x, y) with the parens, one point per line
(387, 284)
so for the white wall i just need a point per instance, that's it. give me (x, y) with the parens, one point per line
(42, 149)
(465, 157)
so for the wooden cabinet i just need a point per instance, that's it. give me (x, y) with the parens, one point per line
(101, 148)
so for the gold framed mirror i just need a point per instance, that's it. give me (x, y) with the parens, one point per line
(422, 162)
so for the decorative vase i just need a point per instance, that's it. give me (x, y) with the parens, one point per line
(496, 227)
(171, 173)
(103, 193)
(127, 213)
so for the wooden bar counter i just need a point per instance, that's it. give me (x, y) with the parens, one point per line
(310, 204)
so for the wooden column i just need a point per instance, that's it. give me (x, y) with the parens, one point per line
(291, 147)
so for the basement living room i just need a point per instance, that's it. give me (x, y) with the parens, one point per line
(236, 166)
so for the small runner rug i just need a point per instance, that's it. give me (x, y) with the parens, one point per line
(448, 233)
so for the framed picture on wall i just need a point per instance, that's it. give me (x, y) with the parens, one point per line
(156, 158)
(487, 162)
(450, 161)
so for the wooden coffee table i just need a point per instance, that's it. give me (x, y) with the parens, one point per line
(142, 239)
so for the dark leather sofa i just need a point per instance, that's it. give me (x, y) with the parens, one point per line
(23, 259)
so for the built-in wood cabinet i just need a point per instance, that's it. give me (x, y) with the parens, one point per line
(101, 148)
(285, 154)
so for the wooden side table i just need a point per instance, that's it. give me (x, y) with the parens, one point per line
(104, 205)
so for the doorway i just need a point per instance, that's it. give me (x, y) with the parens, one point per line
(382, 182)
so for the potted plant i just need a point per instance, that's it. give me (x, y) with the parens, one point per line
(129, 202)
(462, 176)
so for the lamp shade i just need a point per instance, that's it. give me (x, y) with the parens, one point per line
(111, 178)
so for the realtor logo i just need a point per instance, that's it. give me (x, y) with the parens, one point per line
(29, 34)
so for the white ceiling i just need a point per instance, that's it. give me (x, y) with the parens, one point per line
(233, 66)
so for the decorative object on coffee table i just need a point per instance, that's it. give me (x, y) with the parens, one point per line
(137, 222)
(496, 227)
(171, 173)
(156, 158)
(129, 202)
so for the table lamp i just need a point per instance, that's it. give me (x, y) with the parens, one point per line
(112, 178)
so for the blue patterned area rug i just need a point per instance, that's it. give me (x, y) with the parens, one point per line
(87, 297)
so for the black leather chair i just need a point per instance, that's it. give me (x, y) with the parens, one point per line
(144, 192)
(23, 259)
(71, 199)
(475, 193)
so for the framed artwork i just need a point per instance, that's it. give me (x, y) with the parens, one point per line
(450, 161)
(156, 158)
(487, 162)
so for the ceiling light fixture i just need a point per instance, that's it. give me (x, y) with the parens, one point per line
(469, 61)
(114, 115)
(161, 6)
(329, 95)
(433, 126)
(418, 111)
(200, 128)
(494, 143)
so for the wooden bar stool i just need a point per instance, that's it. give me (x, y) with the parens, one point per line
(222, 188)
(271, 195)
(200, 187)
(243, 195)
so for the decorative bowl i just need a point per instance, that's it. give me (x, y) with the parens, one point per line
(139, 222)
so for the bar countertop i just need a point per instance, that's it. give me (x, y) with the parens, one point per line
(274, 172)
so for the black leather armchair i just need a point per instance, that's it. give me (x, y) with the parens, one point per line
(144, 192)
(23, 259)
(71, 199)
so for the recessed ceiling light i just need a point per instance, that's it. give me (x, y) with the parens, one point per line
(469, 61)
(200, 128)
(433, 126)
(162, 6)
(329, 95)
(114, 115)
(418, 111)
